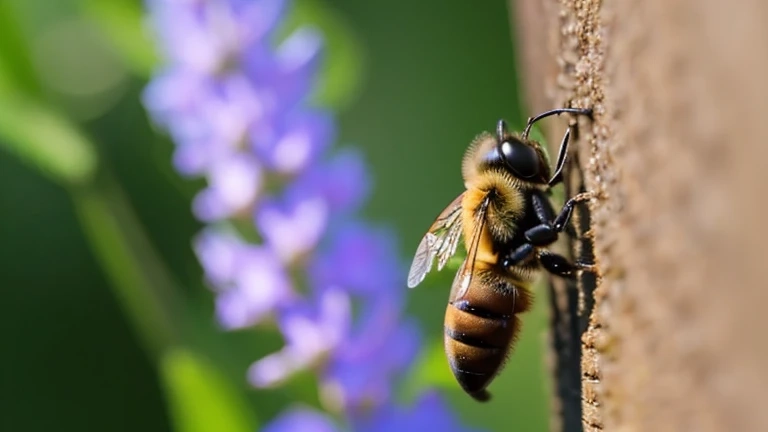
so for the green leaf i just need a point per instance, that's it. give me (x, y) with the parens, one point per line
(16, 67)
(35, 133)
(46, 140)
(123, 22)
(200, 398)
(342, 74)
(429, 371)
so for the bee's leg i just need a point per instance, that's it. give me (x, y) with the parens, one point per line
(561, 156)
(550, 227)
(558, 265)
(545, 233)
(565, 214)
(518, 255)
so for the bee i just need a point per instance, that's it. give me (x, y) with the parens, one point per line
(507, 221)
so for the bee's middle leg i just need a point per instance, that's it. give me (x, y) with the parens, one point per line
(548, 231)
(550, 227)
(517, 256)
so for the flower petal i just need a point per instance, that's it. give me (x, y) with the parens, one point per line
(311, 329)
(342, 181)
(293, 228)
(234, 185)
(362, 373)
(301, 420)
(260, 286)
(218, 254)
(430, 413)
(294, 144)
(360, 259)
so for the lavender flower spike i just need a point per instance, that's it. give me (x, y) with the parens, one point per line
(234, 100)
(430, 413)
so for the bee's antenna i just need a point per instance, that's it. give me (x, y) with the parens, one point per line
(583, 111)
(501, 130)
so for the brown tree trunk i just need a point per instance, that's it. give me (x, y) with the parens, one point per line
(677, 152)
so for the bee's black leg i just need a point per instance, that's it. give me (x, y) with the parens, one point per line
(543, 234)
(518, 255)
(542, 207)
(558, 265)
(550, 227)
(565, 214)
(557, 177)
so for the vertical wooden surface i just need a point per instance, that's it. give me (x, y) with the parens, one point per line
(677, 153)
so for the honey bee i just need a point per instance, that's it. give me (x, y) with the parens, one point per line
(507, 221)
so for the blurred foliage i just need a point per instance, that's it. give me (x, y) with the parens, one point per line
(200, 398)
(124, 23)
(343, 70)
(36, 133)
(17, 68)
(107, 318)
(46, 140)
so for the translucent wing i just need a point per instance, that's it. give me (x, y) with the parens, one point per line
(439, 242)
(463, 277)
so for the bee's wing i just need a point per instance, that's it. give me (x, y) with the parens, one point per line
(463, 277)
(440, 241)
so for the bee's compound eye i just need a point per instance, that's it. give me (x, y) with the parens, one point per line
(520, 158)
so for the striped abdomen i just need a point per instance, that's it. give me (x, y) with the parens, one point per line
(480, 328)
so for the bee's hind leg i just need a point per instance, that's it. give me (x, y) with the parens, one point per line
(558, 265)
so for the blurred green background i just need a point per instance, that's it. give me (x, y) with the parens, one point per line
(94, 220)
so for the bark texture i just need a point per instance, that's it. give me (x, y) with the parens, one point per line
(676, 152)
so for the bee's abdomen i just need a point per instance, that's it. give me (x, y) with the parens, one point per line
(478, 332)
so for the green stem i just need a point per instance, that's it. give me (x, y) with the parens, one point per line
(139, 281)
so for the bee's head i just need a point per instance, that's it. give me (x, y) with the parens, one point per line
(522, 158)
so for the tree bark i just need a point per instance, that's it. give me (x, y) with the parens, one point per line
(676, 153)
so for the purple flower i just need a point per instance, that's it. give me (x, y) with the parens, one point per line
(354, 254)
(293, 227)
(250, 280)
(296, 143)
(302, 420)
(363, 369)
(234, 100)
(234, 184)
(430, 413)
(311, 330)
